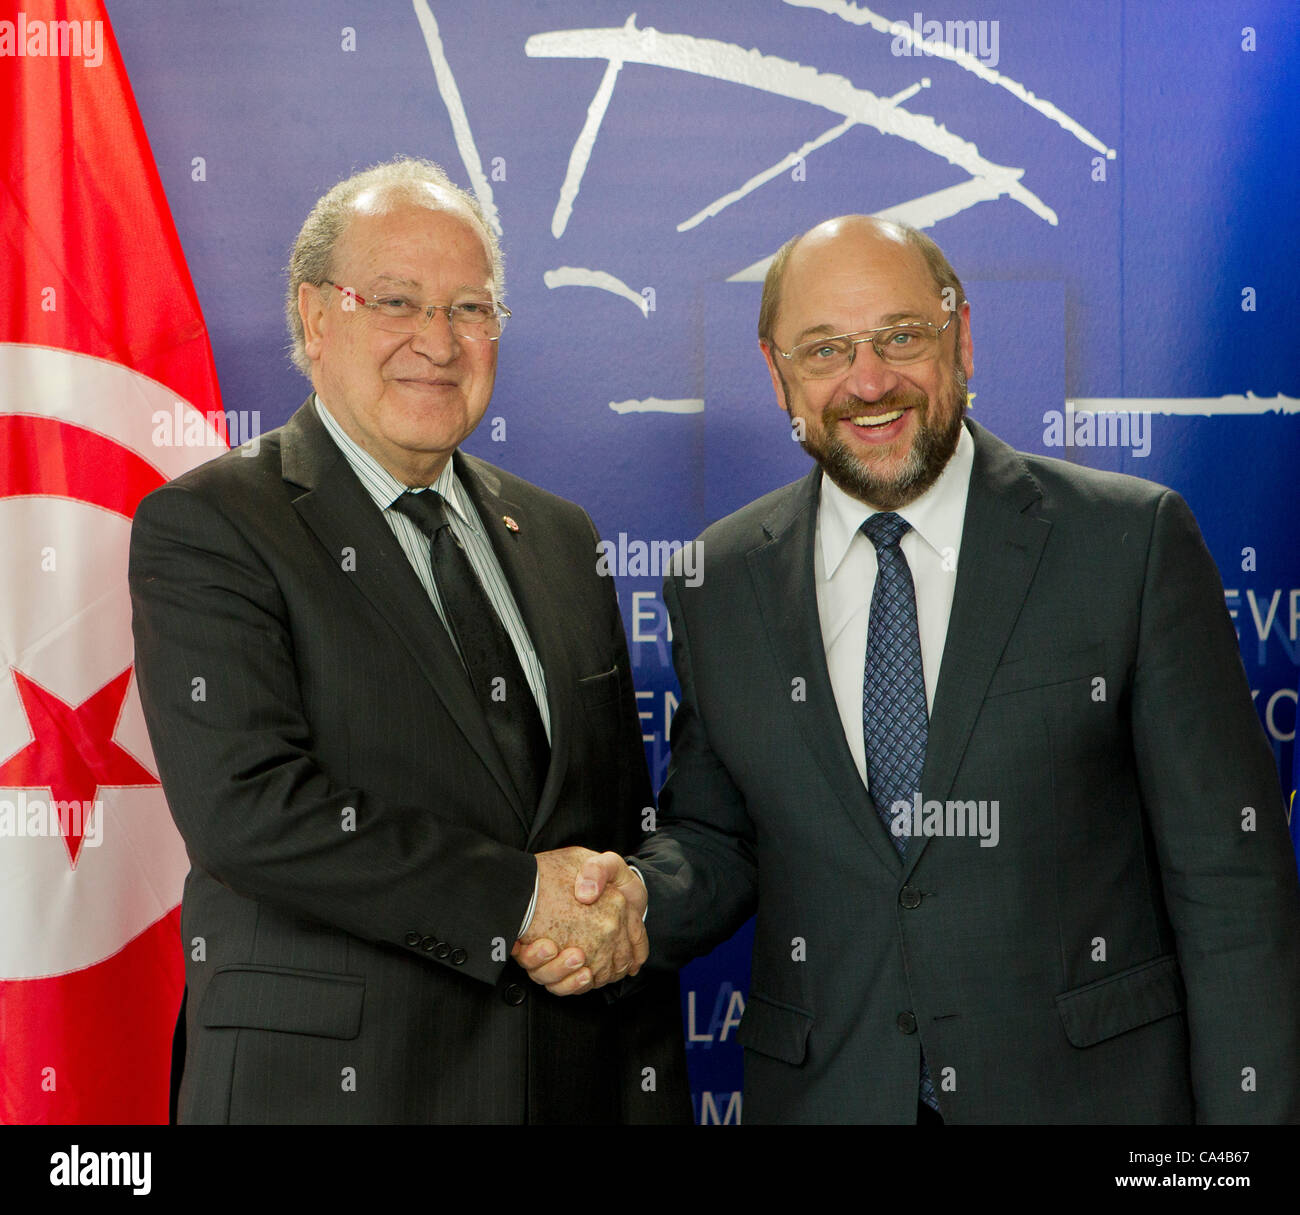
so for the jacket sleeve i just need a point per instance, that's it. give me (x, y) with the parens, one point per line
(1212, 798)
(699, 866)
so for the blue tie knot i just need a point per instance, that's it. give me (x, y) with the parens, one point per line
(885, 529)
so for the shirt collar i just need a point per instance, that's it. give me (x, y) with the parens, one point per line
(380, 484)
(936, 516)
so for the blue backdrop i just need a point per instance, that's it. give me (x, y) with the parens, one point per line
(1116, 183)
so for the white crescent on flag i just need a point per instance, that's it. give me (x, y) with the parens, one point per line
(69, 633)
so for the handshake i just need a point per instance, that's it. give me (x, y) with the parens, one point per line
(586, 928)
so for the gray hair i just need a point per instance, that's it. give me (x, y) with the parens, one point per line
(404, 180)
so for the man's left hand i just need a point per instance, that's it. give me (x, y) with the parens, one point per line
(565, 972)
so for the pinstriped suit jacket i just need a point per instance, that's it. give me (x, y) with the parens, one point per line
(360, 862)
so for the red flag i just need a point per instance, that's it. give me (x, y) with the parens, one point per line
(105, 367)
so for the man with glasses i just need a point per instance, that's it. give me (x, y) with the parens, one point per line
(389, 696)
(970, 731)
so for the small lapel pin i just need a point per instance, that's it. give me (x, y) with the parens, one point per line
(510, 523)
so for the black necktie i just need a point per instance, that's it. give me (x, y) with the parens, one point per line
(485, 648)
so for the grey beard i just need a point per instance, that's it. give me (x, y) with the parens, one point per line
(930, 453)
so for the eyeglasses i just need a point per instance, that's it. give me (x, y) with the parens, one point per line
(479, 320)
(829, 356)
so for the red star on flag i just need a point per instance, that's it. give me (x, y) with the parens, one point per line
(72, 752)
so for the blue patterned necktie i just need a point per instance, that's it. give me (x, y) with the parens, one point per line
(895, 723)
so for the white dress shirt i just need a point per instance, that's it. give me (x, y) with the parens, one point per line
(845, 574)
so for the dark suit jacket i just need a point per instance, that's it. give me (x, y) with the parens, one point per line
(360, 861)
(1127, 952)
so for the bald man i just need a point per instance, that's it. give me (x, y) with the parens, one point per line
(969, 730)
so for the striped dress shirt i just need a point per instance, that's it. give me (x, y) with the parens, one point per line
(467, 527)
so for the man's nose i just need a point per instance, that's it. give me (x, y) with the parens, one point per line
(437, 340)
(870, 377)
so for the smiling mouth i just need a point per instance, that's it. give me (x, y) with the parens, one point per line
(867, 421)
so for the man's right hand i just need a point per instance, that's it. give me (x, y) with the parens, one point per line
(586, 929)
(598, 895)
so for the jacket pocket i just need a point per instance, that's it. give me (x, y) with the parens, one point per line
(775, 1029)
(1118, 1003)
(597, 690)
(1044, 671)
(279, 998)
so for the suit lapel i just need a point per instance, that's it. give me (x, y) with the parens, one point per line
(1002, 541)
(335, 505)
(516, 550)
(784, 583)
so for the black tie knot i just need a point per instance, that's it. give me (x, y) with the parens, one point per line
(425, 508)
(885, 529)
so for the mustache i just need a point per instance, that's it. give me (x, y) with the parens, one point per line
(853, 407)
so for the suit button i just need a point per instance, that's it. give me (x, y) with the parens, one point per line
(412, 939)
(442, 950)
(428, 944)
(458, 957)
(514, 994)
(910, 897)
(907, 1022)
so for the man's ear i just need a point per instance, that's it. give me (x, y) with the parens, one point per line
(965, 348)
(311, 308)
(778, 385)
